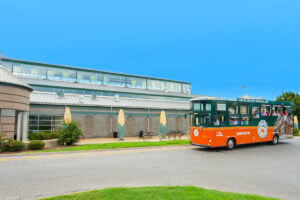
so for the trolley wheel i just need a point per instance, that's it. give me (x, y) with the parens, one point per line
(275, 139)
(230, 143)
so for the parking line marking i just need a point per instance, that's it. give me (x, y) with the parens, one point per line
(32, 157)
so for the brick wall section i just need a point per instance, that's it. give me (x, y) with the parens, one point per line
(12, 99)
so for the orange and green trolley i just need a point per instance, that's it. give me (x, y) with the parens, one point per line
(217, 122)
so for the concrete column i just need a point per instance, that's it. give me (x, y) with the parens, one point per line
(19, 117)
(25, 126)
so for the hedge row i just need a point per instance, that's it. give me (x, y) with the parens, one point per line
(15, 145)
(44, 135)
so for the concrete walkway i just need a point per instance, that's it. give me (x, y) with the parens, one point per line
(127, 139)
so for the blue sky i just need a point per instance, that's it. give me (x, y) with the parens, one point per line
(219, 46)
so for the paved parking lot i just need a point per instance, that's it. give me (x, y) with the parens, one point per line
(257, 169)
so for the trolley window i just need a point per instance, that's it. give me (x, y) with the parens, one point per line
(244, 109)
(233, 108)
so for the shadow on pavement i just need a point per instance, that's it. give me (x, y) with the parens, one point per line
(241, 147)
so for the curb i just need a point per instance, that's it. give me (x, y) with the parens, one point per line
(83, 151)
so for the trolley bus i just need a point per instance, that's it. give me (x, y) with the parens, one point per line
(217, 122)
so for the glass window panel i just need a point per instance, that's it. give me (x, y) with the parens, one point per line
(57, 123)
(134, 82)
(127, 95)
(50, 73)
(234, 121)
(44, 89)
(58, 74)
(197, 106)
(221, 107)
(7, 65)
(114, 80)
(276, 110)
(47, 89)
(122, 81)
(111, 80)
(61, 74)
(93, 77)
(57, 117)
(245, 121)
(45, 128)
(105, 93)
(255, 112)
(42, 72)
(265, 110)
(244, 109)
(80, 76)
(99, 78)
(219, 120)
(287, 110)
(33, 71)
(173, 87)
(44, 117)
(58, 90)
(156, 85)
(208, 107)
(196, 119)
(78, 91)
(69, 91)
(89, 92)
(98, 93)
(233, 108)
(17, 70)
(87, 77)
(207, 119)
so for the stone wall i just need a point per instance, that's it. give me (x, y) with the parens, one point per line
(13, 99)
(8, 122)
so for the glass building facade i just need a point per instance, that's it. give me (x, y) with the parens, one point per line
(44, 123)
(40, 120)
(107, 93)
(62, 73)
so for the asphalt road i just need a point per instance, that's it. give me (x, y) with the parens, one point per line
(256, 169)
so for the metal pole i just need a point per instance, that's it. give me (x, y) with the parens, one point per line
(179, 124)
(148, 120)
(111, 120)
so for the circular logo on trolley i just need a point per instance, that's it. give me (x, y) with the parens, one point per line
(196, 132)
(262, 129)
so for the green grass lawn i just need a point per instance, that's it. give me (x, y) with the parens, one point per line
(118, 145)
(158, 193)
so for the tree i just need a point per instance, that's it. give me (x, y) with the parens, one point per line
(291, 97)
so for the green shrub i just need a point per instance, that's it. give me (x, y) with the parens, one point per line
(36, 144)
(13, 145)
(2, 140)
(43, 135)
(296, 132)
(70, 133)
